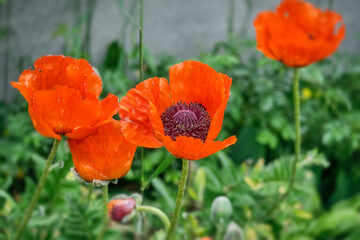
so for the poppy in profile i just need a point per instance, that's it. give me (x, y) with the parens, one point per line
(104, 155)
(62, 94)
(298, 34)
(184, 115)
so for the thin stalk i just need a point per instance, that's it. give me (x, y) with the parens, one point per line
(90, 4)
(331, 4)
(247, 18)
(157, 212)
(38, 189)
(142, 171)
(141, 50)
(179, 197)
(219, 232)
(297, 146)
(231, 18)
(105, 197)
(7, 48)
(88, 197)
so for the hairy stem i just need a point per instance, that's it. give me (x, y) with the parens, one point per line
(179, 197)
(297, 146)
(105, 197)
(157, 212)
(38, 189)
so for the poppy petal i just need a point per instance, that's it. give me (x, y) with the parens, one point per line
(194, 149)
(104, 155)
(217, 119)
(109, 106)
(134, 111)
(64, 109)
(74, 73)
(193, 81)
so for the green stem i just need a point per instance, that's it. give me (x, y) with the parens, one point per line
(38, 189)
(231, 18)
(141, 26)
(88, 197)
(219, 232)
(297, 142)
(105, 197)
(7, 49)
(179, 197)
(155, 211)
(86, 47)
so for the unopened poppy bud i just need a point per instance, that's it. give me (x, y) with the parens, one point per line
(234, 232)
(221, 210)
(118, 209)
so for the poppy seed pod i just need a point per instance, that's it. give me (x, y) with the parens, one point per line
(221, 210)
(118, 209)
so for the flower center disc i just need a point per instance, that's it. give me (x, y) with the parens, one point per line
(182, 119)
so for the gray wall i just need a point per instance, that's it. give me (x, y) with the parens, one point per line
(179, 27)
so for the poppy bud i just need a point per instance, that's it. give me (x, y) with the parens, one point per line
(221, 210)
(118, 209)
(234, 232)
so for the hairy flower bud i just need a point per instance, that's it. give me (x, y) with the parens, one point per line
(221, 210)
(118, 209)
(234, 232)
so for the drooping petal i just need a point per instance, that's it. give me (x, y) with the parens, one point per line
(194, 149)
(193, 81)
(63, 111)
(104, 155)
(108, 106)
(135, 107)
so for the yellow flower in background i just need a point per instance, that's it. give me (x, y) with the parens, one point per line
(306, 93)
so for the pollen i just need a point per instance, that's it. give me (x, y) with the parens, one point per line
(186, 119)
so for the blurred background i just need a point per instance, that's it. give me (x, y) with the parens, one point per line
(31, 29)
(325, 202)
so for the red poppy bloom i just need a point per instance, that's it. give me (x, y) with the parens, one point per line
(185, 116)
(298, 34)
(62, 93)
(104, 155)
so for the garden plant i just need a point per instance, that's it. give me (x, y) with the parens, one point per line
(258, 139)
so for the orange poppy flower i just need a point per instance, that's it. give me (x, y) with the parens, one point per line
(62, 93)
(185, 116)
(104, 155)
(298, 34)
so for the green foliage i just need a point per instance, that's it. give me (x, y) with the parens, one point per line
(253, 173)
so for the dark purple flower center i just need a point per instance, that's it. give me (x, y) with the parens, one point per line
(183, 119)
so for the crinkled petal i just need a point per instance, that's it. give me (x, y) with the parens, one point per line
(193, 81)
(63, 110)
(109, 106)
(194, 149)
(52, 71)
(134, 111)
(104, 155)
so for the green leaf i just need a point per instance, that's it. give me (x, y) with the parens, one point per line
(161, 188)
(161, 168)
(200, 184)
